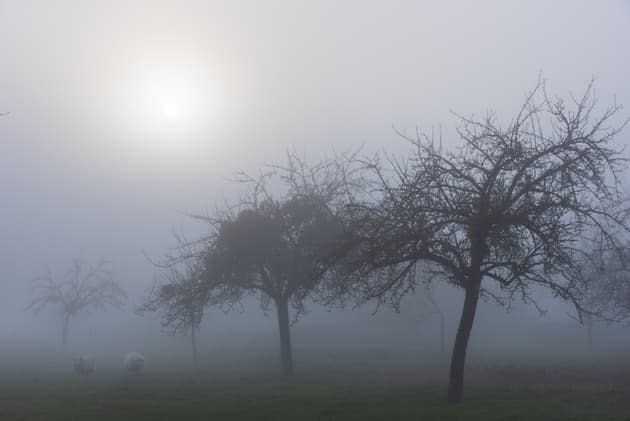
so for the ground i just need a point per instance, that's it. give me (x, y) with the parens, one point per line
(359, 392)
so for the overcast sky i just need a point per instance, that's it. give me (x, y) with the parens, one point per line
(90, 163)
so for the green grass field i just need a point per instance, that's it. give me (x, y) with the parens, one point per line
(502, 394)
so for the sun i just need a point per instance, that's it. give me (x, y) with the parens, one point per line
(171, 104)
(169, 110)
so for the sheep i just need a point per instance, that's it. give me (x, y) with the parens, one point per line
(83, 364)
(134, 362)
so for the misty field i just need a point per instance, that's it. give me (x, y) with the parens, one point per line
(314, 210)
(365, 390)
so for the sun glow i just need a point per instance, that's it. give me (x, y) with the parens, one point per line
(168, 105)
(170, 110)
(170, 94)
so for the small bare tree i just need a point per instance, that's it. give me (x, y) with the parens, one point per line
(180, 300)
(85, 287)
(605, 273)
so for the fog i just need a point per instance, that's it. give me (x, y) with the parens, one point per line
(91, 168)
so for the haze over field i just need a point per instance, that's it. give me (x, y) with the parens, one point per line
(123, 118)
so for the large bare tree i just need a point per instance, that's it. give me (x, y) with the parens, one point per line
(84, 288)
(502, 213)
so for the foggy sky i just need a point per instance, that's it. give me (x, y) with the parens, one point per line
(86, 168)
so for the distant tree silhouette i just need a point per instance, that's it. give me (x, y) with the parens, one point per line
(85, 288)
(503, 212)
(605, 274)
(180, 300)
(431, 308)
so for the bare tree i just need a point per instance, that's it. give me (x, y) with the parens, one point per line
(502, 213)
(605, 273)
(279, 246)
(85, 287)
(180, 300)
(277, 250)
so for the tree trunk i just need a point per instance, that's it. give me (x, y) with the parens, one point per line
(193, 342)
(285, 337)
(458, 359)
(589, 329)
(64, 330)
(442, 343)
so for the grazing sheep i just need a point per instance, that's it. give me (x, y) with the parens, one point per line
(83, 364)
(134, 361)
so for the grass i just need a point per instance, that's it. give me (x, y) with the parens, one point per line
(340, 385)
(167, 396)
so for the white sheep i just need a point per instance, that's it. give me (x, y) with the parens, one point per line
(133, 361)
(83, 364)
